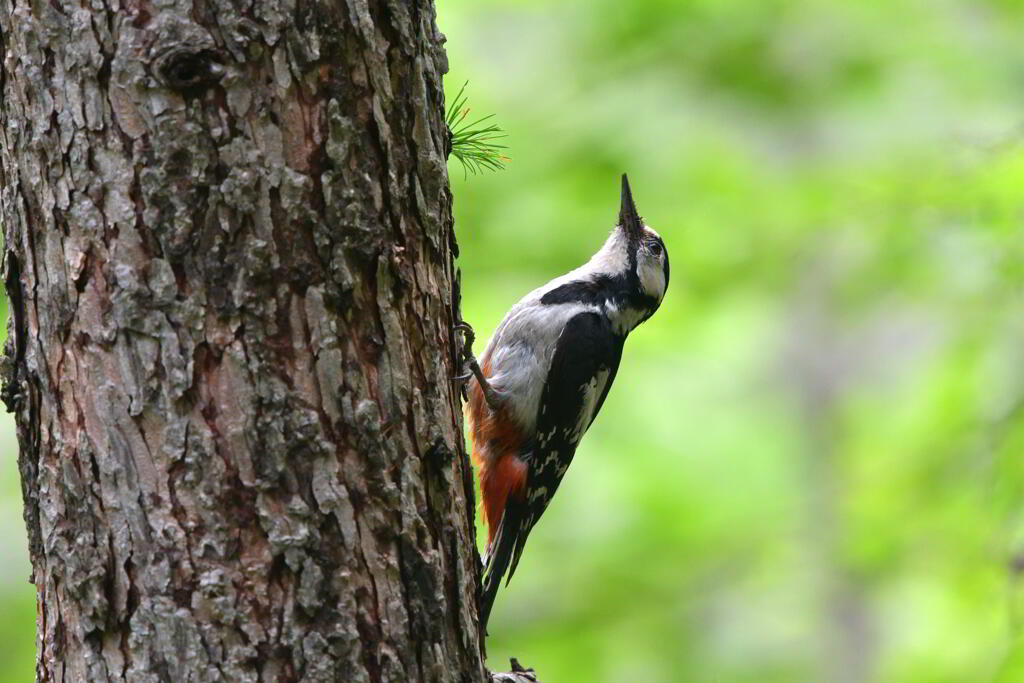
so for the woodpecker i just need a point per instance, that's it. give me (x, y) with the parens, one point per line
(544, 376)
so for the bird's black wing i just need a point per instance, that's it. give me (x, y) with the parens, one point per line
(583, 366)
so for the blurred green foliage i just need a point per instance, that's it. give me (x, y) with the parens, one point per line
(17, 597)
(810, 466)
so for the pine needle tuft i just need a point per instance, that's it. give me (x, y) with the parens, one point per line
(474, 142)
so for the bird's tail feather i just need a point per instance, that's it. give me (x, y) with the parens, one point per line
(499, 554)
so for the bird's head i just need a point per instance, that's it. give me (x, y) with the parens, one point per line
(645, 252)
(629, 273)
(628, 276)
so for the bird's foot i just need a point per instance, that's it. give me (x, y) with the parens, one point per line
(471, 368)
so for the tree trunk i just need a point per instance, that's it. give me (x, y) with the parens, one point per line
(229, 258)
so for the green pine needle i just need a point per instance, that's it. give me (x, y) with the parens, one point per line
(473, 143)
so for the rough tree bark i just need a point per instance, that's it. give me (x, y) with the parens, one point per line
(229, 259)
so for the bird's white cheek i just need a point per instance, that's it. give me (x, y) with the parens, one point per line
(652, 279)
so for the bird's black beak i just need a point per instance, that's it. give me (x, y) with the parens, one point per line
(629, 220)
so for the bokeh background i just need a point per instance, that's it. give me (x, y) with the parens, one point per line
(810, 467)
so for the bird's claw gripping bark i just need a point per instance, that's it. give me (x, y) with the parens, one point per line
(471, 368)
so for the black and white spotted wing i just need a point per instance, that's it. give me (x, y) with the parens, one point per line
(583, 367)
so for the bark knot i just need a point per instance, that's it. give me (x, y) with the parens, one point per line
(190, 70)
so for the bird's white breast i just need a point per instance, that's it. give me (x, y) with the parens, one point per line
(521, 350)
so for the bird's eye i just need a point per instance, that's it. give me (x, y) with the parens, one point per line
(655, 248)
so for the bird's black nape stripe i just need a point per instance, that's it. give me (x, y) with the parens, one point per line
(622, 290)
